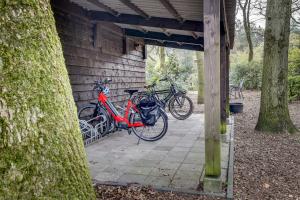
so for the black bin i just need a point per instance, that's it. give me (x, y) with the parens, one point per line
(236, 107)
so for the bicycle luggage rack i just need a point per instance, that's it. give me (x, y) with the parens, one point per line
(89, 133)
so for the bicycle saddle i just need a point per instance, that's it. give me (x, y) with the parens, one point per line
(131, 91)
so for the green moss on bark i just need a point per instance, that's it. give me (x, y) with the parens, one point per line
(42, 153)
(223, 127)
(212, 162)
(274, 114)
(199, 61)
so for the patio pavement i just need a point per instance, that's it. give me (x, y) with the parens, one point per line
(174, 162)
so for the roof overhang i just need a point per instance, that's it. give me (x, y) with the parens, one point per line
(170, 23)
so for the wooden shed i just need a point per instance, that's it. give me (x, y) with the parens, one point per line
(107, 38)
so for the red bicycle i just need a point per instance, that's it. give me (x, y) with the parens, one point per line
(147, 120)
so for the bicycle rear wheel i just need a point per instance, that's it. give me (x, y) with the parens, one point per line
(97, 117)
(150, 133)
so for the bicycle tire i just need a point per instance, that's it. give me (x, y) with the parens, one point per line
(100, 111)
(163, 115)
(177, 115)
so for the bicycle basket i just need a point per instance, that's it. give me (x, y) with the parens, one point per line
(149, 111)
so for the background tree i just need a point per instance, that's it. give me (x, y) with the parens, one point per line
(162, 58)
(245, 6)
(42, 153)
(274, 114)
(199, 62)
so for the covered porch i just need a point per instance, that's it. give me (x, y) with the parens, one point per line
(174, 163)
(200, 25)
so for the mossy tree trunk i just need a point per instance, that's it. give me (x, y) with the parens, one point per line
(41, 150)
(199, 62)
(274, 114)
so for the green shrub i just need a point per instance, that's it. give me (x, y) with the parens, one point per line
(251, 73)
(294, 88)
(294, 61)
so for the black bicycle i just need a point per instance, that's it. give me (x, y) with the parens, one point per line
(179, 104)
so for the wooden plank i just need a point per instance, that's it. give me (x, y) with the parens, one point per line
(167, 4)
(103, 6)
(113, 86)
(135, 8)
(168, 23)
(164, 37)
(174, 45)
(76, 70)
(77, 50)
(95, 52)
(223, 66)
(86, 79)
(227, 80)
(212, 87)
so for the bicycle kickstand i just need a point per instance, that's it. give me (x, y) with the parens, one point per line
(138, 142)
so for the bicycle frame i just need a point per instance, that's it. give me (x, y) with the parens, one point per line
(102, 98)
(171, 93)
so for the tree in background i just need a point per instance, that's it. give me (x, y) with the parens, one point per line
(41, 150)
(274, 114)
(178, 65)
(162, 58)
(199, 63)
(245, 6)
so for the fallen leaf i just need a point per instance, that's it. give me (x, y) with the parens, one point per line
(266, 185)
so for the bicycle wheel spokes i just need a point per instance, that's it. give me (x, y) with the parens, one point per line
(181, 107)
(86, 113)
(151, 133)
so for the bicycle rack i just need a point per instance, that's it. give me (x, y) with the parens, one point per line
(89, 133)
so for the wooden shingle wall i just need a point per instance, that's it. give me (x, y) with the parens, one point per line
(95, 51)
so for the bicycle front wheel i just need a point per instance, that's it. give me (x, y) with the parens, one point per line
(150, 133)
(181, 107)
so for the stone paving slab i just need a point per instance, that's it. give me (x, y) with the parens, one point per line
(175, 161)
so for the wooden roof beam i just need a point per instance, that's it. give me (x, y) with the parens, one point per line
(140, 28)
(159, 22)
(165, 31)
(135, 8)
(172, 10)
(194, 35)
(174, 45)
(161, 36)
(104, 7)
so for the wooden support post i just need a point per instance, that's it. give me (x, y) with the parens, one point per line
(227, 81)
(144, 49)
(125, 45)
(212, 180)
(223, 66)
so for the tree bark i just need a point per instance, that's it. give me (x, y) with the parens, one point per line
(199, 62)
(274, 114)
(246, 22)
(42, 153)
(162, 59)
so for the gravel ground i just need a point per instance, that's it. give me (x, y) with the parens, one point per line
(141, 193)
(267, 166)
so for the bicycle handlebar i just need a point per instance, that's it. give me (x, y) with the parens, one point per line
(99, 83)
